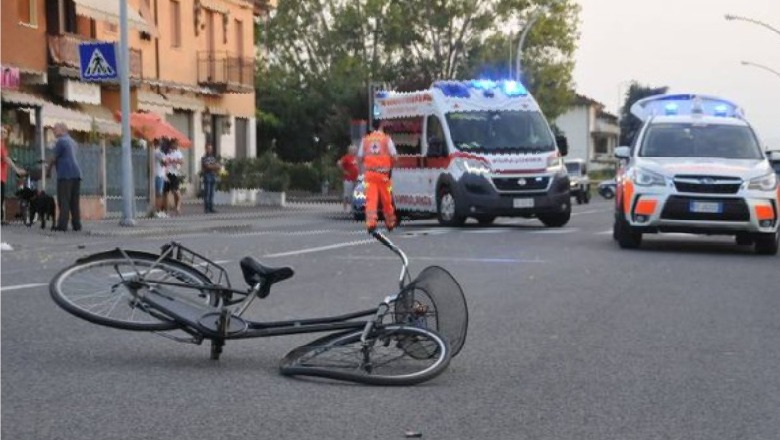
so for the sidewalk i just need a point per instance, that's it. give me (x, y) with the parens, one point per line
(191, 220)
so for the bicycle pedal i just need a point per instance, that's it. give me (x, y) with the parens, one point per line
(191, 340)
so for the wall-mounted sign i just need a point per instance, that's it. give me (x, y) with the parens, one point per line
(77, 91)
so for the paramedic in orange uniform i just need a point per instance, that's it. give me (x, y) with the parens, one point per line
(377, 155)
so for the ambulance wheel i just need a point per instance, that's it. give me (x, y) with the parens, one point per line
(578, 197)
(359, 216)
(556, 220)
(626, 237)
(485, 220)
(586, 195)
(447, 209)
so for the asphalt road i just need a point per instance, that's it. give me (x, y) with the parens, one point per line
(569, 338)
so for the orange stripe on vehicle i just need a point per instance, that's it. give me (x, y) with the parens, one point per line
(765, 212)
(646, 207)
(628, 195)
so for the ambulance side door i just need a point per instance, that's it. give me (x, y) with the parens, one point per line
(435, 156)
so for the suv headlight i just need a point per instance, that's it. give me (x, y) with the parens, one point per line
(643, 177)
(764, 183)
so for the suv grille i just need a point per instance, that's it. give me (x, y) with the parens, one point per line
(679, 208)
(537, 183)
(707, 184)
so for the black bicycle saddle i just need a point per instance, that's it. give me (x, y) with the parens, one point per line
(255, 272)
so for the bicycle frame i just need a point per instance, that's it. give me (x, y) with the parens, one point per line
(192, 319)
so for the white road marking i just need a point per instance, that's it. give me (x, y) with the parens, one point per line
(21, 286)
(607, 232)
(556, 231)
(452, 259)
(485, 231)
(319, 249)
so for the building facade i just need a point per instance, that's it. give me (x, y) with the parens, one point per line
(191, 61)
(592, 132)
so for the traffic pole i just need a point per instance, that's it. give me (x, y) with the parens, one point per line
(128, 190)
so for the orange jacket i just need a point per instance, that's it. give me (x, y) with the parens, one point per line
(376, 152)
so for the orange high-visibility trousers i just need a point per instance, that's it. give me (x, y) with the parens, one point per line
(378, 187)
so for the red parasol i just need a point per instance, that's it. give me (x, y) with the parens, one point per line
(151, 126)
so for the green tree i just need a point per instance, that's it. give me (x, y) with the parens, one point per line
(324, 54)
(630, 124)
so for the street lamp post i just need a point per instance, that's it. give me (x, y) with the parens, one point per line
(731, 17)
(762, 67)
(128, 190)
(521, 42)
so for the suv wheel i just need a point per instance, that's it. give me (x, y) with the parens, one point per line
(766, 244)
(626, 236)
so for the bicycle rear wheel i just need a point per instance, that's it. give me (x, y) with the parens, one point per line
(393, 355)
(96, 289)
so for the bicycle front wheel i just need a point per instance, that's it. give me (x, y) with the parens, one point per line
(97, 289)
(392, 355)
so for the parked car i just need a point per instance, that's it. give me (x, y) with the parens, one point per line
(579, 182)
(607, 188)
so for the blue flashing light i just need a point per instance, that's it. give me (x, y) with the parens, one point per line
(381, 94)
(483, 84)
(671, 109)
(514, 88)
(721, 110)
(452, 89)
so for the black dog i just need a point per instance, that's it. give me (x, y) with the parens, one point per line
(43, 206)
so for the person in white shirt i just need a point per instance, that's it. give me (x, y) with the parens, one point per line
(173, 165)
(159, 181)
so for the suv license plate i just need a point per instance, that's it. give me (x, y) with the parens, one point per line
(523, 203)
(707, 207)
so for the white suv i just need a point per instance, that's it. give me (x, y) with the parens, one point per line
(696, 166)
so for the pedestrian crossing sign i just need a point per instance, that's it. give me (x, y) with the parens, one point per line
(97, 61)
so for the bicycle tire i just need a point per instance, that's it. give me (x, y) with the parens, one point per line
(397, 355)
(107, 291)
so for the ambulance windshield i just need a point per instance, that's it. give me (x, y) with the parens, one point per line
(500, 131)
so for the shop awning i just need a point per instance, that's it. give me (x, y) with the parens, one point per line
(21, 99)
(108, 10)
(151, 126)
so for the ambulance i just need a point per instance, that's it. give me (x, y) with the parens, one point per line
(476, 149)
(696, 166)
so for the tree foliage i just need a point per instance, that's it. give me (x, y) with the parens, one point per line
(322, 56)
(630, 124)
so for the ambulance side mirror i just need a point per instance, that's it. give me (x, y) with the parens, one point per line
(435, 147)
(563, 144)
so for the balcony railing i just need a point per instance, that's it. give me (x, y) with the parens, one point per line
(64, 52)
(226, 72)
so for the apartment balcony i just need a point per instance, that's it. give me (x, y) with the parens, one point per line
(64, 56)
(226, 72)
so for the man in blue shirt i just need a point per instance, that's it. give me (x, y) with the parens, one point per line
(68, 178)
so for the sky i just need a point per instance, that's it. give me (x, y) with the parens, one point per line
(686, 45)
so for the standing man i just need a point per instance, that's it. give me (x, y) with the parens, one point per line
(349, 165)
(5, 160)
(209, 166)
(68, 178)
(377, 153)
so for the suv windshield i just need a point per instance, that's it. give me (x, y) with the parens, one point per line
(494, 131)
(700, 140)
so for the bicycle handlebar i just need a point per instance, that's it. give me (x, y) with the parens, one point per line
(390, 245)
